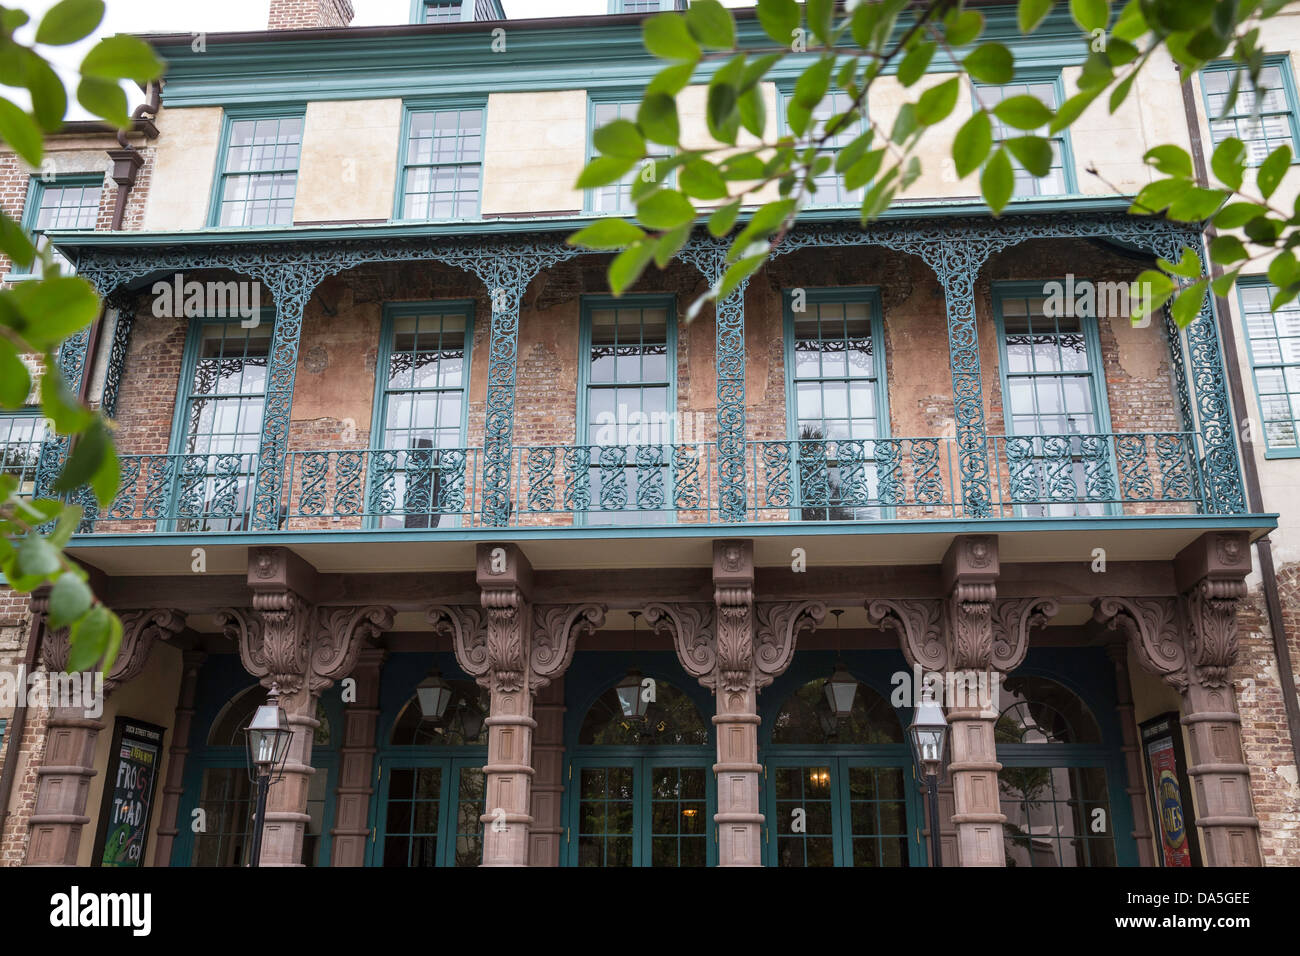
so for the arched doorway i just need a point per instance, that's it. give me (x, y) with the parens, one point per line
(839, 791)
(217, 781)
(430, 782)
(640, 792)
(1059, 778)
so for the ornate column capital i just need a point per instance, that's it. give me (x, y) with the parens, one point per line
(1150, 625)
(777, 631)
(141, 629)
(691, 627)
(556, 629)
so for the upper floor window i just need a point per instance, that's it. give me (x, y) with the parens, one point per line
(1059, 180)
(65, 202)
(442, 163)
(259, 170)
(616, 197)
(442, 12)
(21, 435)
(830, 184)
(1273, 339)
(1262, 118)
(420, 414)
(644, 6)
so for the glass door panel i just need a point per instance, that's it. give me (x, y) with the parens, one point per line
(411, 815)
(605, 816)
(805, 832)
(877, 818)
(678, 816)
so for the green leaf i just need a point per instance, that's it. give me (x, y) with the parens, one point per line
(1197, 204)
(92, 638)
(962, 26)
(68, 520)
(666, 36)
(1237, 214)
(37, 557)
(69, 599)
(105, 99)
(819, 14)
(723, 111)
(864, 170)
(664, 209)
(753, 111)
(1284, 270)
(1188, 265)
(765, 221)
(657, 117)
(1032, 152)
(84, 460)
(743, 166)
(604, 170)
(813, 83)
(1023, 112)
(14, 241)
(912, 68)
(724, 218)
(1225, 250)
(737, 273)
(1223, 285)
(21, 132)
(1120, 93)
(15, 380)
(937, 102)
(1158, 195)
(107, 477)
(711, 24)
(1178, 15)
(1090, 14)
(122, 57)
(779, 19)
(998, 181)
(1170, 160)
(1154, 289)
(670, 243)
(629, 264)
(972, 143)
(1187, 306)
(904, 123)
(1030, 13)
(1130, 24)
(1272, 170)
(991, 63)
(49, 98)
(54, 308)
(61, 405)
(702, 180)
(619, 138)
(70, 21)
(1229, 162)
(671, 79)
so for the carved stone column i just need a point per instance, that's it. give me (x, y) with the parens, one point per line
(971, 638)
(513, 650)
(1191, 642)
(174, 787)
(63, 780)
(1137, 794)
(302, 649)
(356, 762)
(752, 645)
(548, 782)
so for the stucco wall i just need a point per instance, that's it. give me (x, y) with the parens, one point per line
(185, 168)
(349, 161)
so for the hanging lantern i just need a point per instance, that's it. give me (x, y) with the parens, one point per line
(433, 694)
(630, 699)
(841, 688)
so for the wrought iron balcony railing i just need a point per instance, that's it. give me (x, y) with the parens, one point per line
(820, 480)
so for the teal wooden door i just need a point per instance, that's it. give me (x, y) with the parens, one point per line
(428, 813)
(827, 809)
(632, 810)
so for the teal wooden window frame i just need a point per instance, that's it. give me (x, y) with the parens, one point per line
(451, 763)
(870, 295)
(1253, 283)
(26, 474)
(379, 415)
(1035, 77)
(870, 668)
(1096, 372)
(412, 108)
(4, 722)
(223, 174)
(628, 101)
(221, 680)
(1086, 673)
(184, 393)
(659, 6)
(591, 303)
(843, 198)
(1282, 63)
(588, 679)
(38, 189)
(464, 10)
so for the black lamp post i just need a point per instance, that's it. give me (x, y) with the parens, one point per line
(929, 731)
(267, 736)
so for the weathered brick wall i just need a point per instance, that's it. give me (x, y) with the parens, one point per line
(306, 14)
(14, 625)
(1264, 728)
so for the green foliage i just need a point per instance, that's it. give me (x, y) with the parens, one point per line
(37, 315)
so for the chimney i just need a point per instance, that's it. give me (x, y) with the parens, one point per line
(309, 14)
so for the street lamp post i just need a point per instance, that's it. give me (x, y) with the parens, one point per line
(267, 736)
(929, 731)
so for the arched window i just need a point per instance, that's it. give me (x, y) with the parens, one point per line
(671, 719)
(806, 718)
(1053, 784)
(460, 726)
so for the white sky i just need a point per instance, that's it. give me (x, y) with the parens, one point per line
(194, 16)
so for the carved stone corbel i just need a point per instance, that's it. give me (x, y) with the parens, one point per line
(141, 629)
(691, 627)
(778, 627)
(1013, 620)
(556, 629)
(919, 626)
(1151, 628)
(466, 625)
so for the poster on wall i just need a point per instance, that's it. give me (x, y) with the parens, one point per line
(133, 765)
(1171, 798)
